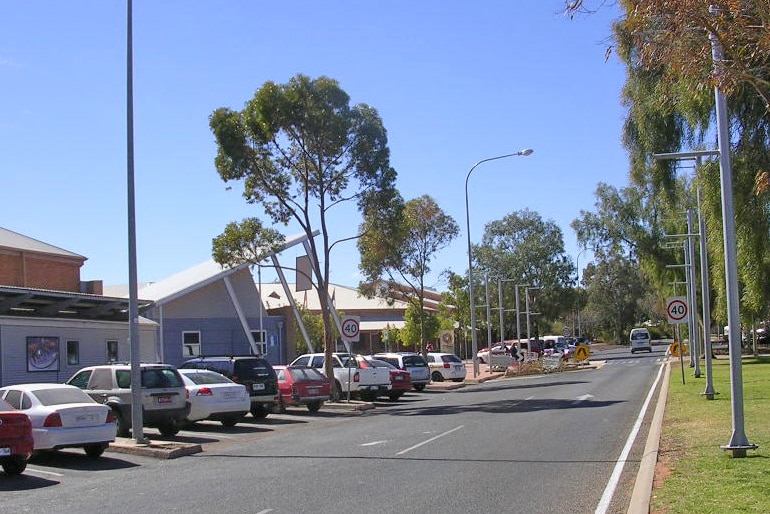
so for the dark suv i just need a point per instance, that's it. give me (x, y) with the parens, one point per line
(254, 372)
(164, 397)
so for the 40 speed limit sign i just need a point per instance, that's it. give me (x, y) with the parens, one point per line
(351, 328)
(676, 310)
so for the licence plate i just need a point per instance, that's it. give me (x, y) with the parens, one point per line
(257, 387)
(5, 451)
(164, 399)
(312, 390)
(85, 417)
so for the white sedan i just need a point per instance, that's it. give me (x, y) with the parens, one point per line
(214, 396)
(63, 416)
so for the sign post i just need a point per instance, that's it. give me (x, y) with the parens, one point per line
(678, 313)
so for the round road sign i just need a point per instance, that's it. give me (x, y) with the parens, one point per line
(350, 328)
(676, 308)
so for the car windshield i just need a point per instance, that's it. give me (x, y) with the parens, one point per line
(202, 377)
(347, 361)
(305, 374)
(61, 395)
(415, 361)
(640, 335)
(249, 369)
(4, 405)
(451, 358)
(161, 377)
(380, 364)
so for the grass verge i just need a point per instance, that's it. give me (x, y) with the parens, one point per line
(693, 473)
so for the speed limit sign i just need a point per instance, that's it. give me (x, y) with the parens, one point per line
(351, 328)
(676, 310)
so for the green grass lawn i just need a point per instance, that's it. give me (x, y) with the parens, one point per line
(694, 474)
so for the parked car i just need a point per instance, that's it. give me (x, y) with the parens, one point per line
(63, 416)
(414, 363)
(302, 385)
(400, 380)
(640, 340)
(16, 442)
(349, 376)
(446, 366)
(164, 397)
(498, 349)
(214, 396)
(254, 372)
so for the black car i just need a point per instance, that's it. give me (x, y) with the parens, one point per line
(254, 372)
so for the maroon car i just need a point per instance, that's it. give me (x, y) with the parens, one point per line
(301, 385)
(400, 380)
(16, 441)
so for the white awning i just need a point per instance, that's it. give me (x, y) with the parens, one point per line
(370, 326)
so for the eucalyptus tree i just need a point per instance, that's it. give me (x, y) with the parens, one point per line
(300, 150)
(396, 257)
(525, 249)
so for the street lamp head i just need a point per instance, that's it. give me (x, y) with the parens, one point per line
(526, 151)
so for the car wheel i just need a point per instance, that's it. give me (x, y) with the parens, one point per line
(94, 451)
(419, 387)
(437, 376)
(259, 411)
(124, 426)
(395, 396)
(336, 393)
(314, 407)
(229, 421)
(279, 407)
(14, 465)
(168, 429)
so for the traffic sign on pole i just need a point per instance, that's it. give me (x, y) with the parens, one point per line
(677, 310)
(351, 328)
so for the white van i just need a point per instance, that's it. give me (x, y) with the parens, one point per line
(557, 343)
(640, 340)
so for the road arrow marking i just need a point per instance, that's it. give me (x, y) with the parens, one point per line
(582, 398)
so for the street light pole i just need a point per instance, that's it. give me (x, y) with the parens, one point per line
(474, 339)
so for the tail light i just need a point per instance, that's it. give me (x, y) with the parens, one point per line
(446, 365)
(53, 420)
(356, 377)
(204, 391)
(110, 417)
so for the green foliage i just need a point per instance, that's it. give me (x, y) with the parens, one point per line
(300, 149)
(417, 323)
(247, 241)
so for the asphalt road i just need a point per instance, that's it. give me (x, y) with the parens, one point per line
(545, 444)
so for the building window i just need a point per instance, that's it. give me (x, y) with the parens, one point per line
(73, 353)
(112, 350)
(259, 339)
(191, 344)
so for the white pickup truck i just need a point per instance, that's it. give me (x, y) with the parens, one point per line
(364, 383)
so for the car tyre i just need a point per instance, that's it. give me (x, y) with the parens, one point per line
(314, 406)
(14, 465)
(419, 387)
(123, 426)
(230, 421)
(169, 429)
(437, 376)
(395, 396)
(94, 451)
(259, 411)
(280, 406)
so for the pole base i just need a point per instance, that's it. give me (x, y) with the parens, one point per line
(709, 394)
(739, 451)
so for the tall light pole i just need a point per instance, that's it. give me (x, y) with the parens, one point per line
(474, 339)
(577, 272)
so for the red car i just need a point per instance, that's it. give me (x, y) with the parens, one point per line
(301, 385)
(16, 441)
(400, 380)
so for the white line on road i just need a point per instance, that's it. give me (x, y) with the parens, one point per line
(373, 443)
(40, 471)
(604, 503)
(265, 511)
(582, 398)
(429, 440)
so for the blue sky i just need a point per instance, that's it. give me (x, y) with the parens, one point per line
(454, 82)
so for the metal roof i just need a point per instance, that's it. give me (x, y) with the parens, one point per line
(16, 241)
(44, 303)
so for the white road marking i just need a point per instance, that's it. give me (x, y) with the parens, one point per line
(373, 443)
(429, 440)
(265, 511)
(604, 503)
(582, 398)
(40, 471)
